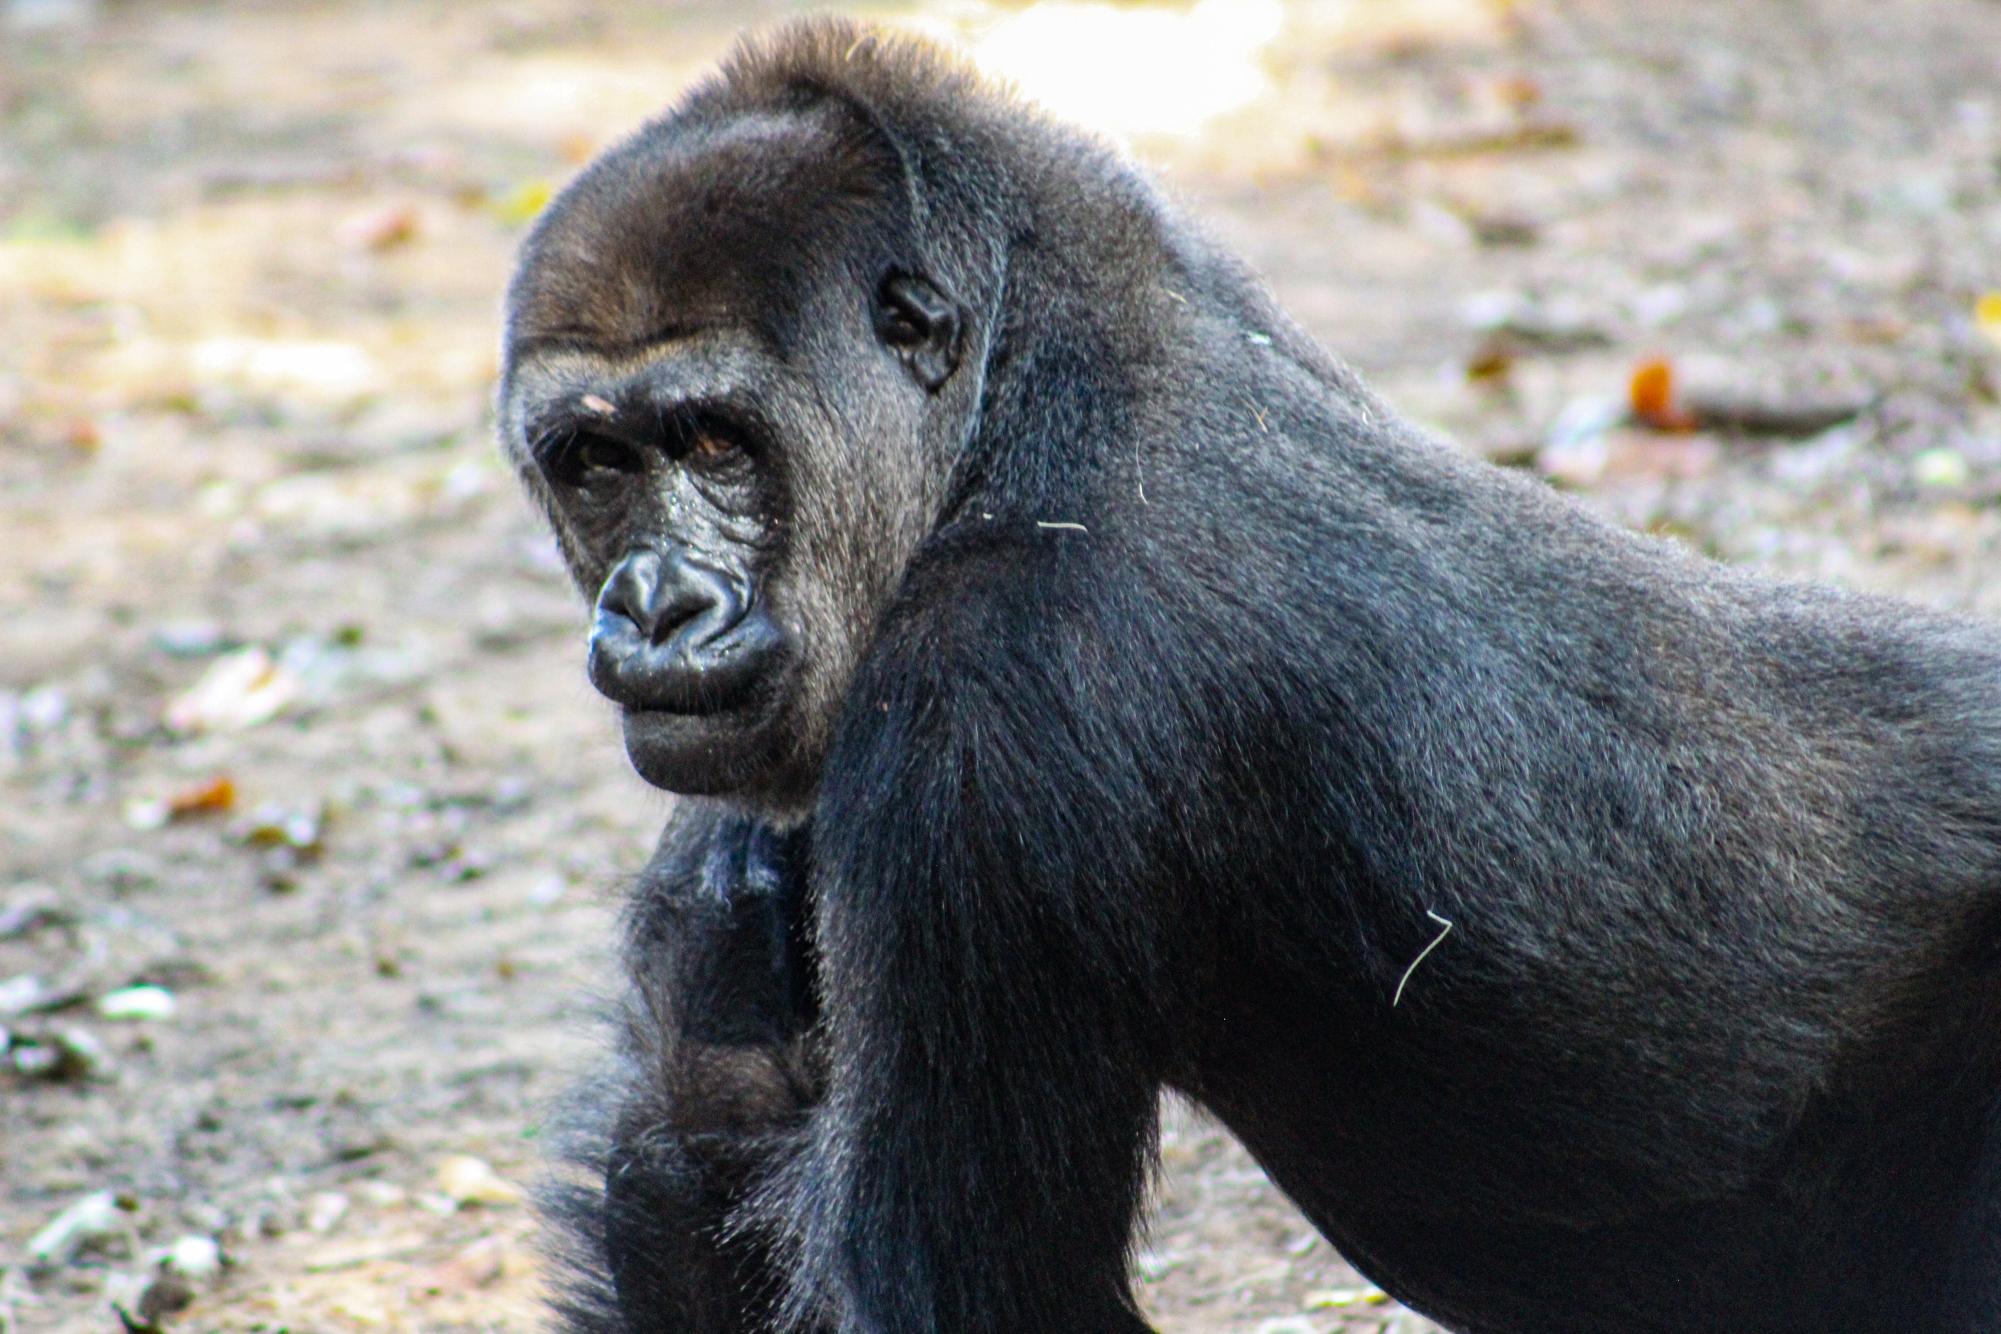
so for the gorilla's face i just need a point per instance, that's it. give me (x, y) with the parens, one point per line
(724, 390)
(662, 485)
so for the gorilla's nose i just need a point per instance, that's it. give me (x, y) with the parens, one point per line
(659, 595)
(677, 634)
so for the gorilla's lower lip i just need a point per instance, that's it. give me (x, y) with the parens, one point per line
(692, 753)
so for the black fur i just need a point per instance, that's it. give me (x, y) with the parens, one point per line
(1157, 697)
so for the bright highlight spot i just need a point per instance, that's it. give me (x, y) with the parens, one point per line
(1129, 71)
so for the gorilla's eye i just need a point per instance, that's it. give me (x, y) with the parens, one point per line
(712, 446)
(576, 457)
(701, 434)
(598, 453)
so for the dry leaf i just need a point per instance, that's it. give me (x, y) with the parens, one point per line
(380, 229)
(240, 690)
(1651, 392)
(1518, 90)
(1492, 364)
(521, 204)
(470, 1180)
(217, 794)
(83, 435)
(1987, 316)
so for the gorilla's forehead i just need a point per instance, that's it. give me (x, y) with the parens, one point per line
(692, 226)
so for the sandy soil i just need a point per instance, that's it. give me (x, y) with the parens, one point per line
(250, 258)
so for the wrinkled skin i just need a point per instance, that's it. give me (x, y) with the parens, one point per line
(1086, 688)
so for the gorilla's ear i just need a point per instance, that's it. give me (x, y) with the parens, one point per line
(921, 325)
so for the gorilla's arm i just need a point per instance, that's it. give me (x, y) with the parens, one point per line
(981, 1156)
(716, 1033)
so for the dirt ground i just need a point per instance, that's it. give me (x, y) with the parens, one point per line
(293, 725)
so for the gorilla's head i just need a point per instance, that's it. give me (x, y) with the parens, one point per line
(744, 352)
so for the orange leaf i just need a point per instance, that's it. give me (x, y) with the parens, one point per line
(1652, 394)
(1518, 90)
(218, 794)
(1490, 365)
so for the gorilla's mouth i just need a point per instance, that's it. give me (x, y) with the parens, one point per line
(697, 753)
(696, 662)
(695, 711)
(700, 670)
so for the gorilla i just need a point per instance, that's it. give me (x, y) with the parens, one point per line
(1082, 687)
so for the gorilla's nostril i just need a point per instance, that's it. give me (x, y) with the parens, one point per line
(631, 588)
(661, 619)
(698, 600)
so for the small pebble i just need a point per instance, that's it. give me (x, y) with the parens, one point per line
(276, 826)
(469, 1180)
(21, 993)
(382, 1194)
(194, 1257)
(325, 1210)
(45, 708)
(34, 1060)
(1940, 468)
(91, 1217)
(190, 639)
(66, 1054)
(29, 907)
(140, 1002)
(147, 813)
(167, 1295)
(84, 1057)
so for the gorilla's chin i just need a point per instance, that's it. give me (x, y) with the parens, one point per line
(705, 754)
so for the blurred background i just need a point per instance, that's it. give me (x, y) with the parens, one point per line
(309, 825)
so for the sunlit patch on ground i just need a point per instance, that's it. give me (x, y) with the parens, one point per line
(1236, 85)
(1132, 70)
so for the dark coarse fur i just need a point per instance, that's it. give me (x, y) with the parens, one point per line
(1161, 695)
